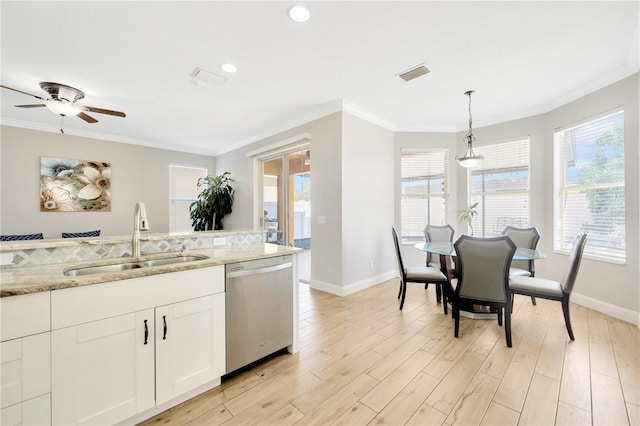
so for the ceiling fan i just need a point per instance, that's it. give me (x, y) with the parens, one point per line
(62, 100)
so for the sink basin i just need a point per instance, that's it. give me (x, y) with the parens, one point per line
(119, 267)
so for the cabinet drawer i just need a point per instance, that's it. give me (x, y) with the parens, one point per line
(36, 411)
(25, 315)
(25, 368)
(78, 305)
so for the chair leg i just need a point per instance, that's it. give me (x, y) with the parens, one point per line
(444, 299)
(507, 325)
(455, 311)
(404, 294)
(513, 297)
(400, 290)
(499, 312)
(426, 286)
(533, 300)
(567, 318)
(438, 293)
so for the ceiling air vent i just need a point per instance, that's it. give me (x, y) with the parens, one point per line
(206, 79)
(414, 72)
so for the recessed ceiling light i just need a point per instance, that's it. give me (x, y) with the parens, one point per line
(228, 68)
(299, 13)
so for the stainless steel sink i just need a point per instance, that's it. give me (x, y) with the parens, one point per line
(119, 267)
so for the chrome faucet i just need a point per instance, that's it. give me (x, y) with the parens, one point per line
(139, 224)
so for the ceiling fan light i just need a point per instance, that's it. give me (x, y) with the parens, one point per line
(62, 107)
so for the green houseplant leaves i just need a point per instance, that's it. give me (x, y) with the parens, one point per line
(213, 203)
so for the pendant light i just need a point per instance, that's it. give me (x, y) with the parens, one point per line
(469, 159)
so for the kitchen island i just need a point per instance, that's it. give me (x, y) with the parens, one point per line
(117, 346)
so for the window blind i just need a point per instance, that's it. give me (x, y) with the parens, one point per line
(500, 184)
(424, 191)
(589, 186)
(183, 190)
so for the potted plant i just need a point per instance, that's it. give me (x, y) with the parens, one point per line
(466, 215)
(213, 203)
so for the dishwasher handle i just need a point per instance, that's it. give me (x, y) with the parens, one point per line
(240, 272)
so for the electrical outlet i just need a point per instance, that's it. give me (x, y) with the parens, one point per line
(371, 264)
(219, 241)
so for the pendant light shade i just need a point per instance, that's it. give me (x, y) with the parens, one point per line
(469, 159)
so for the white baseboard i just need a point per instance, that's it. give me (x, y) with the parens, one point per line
(623, 314)
(354, 287)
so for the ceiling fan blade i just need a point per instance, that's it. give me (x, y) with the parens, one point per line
(30, 106)
(87, 118)
(20, 91)
(105, 111)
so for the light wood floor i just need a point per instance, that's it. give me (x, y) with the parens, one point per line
(362, 361)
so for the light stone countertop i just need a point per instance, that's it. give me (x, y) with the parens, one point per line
(32, 279)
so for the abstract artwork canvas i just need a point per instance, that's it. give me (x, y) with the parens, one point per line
(68, 185)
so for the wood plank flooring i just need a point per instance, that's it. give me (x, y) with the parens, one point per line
(362, 361)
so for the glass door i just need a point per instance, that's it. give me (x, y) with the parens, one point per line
(286, 203)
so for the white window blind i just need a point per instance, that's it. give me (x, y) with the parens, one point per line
(424, 191)
(589, 186)
(183, 190)
(500, 184)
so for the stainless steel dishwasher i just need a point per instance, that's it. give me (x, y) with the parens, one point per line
(259, 309)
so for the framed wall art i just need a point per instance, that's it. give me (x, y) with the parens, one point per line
(68, 185)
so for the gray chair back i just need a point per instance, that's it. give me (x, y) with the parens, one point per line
(433, 233)
(398, 254)
(526, 238)
(569, 277)
(484, 268)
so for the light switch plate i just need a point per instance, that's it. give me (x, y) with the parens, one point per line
(322, 220)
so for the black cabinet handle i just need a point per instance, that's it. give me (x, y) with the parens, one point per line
(146, 332)
(164, 320)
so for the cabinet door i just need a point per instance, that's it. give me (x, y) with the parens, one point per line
(103, 371)
(189, 345)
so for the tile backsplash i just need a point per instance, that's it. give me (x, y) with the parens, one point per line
(97, 249)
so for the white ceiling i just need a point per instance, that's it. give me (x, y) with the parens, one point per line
(521, 58)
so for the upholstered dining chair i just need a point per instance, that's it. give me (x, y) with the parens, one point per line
(527, 238)
(433, 233)
(417, 274)
(483, 268)
(553, 290)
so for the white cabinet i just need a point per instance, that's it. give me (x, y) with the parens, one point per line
(103, 370)
(131, 345)
(25, 367)
(189, 336)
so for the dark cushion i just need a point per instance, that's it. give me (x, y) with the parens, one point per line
(95, 233)
(21, 237)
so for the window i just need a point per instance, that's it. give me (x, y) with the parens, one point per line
(424, 191)
(183, 190)
(589, 186)
(501, 187)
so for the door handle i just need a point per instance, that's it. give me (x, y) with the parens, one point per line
(164, 320)
(146, 332)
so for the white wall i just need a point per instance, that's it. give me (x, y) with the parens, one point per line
(138, 173)
(367, 207)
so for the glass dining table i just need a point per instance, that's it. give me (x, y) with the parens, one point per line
(446, 251)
